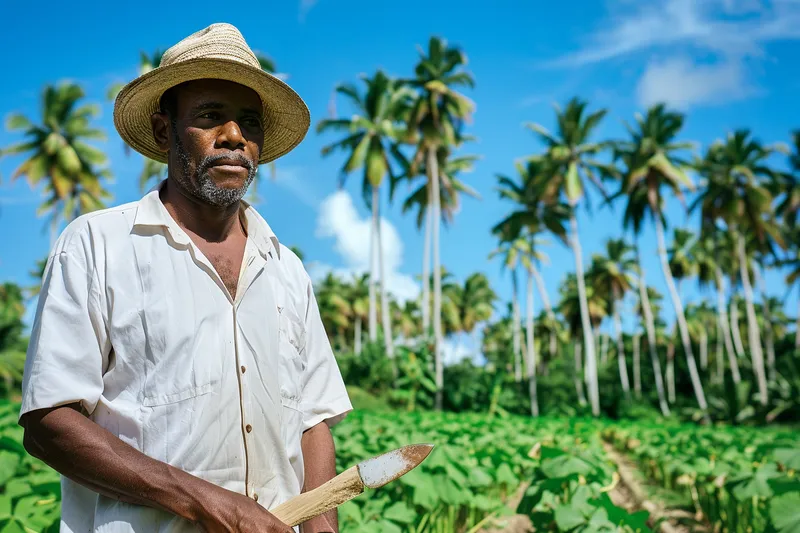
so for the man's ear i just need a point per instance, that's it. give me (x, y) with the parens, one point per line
(160, 123)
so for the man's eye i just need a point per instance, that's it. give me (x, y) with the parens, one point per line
(253, 122)
(210, 115)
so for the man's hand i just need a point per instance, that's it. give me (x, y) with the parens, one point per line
(228, 511)
(90, 455)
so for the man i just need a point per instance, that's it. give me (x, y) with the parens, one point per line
(178, 374)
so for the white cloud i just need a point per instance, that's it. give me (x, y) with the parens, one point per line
(682, 83)
(729, 31)
(339, 219)
(730, 27)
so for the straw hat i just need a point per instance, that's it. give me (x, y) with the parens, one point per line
(220, 52)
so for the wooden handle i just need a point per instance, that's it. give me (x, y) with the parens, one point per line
(333, 493)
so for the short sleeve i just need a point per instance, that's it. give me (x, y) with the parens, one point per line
(68, 348)
(324, 396)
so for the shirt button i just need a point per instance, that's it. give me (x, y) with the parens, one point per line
(255, 496)
(248, 428)
(243, 369)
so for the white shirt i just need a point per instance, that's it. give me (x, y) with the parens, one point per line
(134, 322)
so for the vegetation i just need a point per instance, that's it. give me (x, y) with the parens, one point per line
(533, 422)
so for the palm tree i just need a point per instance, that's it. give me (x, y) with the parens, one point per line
(511, 252)
(570, 308)
(476, 303)
(737, 193)
(789, 186)
(436, 121)
(705, 254)
(451, 189)
(614, 271)
(681, 262)
(648, 310)
(370, 134)
(650, 164)
(793, 278)
(334, 309)
(358, 297)
(60, 156)
(535, 210)
(569, 157)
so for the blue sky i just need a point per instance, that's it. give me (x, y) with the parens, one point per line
(728, 63)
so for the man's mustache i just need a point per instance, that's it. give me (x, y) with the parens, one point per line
(209, 161)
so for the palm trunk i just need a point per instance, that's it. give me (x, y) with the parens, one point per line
(623, 366)
(670, 373)
(357, 338)
(433, 168)
(637, 366)
(516, 332)
(586, 326)
(426, 269)
(385, 310)
(531, 353)
(651, 343)
(722, 311)
(737, 334)
(604, 340)
(578, 373)
(720, 357)
(373, 301)
(703, 350)
(548, 309)
(681, 318)
(754, 336)
(770, 333)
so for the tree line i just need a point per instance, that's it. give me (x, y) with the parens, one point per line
(412, 130)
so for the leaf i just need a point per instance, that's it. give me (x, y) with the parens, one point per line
(13, 527)
(567, 517)
(757, 485)
(505, 475)
(784, 511)
(9, 462)
(789, 457)
(400, 512)
(565, 466)
(479, 477)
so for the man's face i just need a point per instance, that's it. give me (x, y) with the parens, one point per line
(214, 140)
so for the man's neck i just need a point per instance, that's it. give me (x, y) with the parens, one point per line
(208, 222)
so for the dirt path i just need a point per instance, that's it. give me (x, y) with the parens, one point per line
(629, 494)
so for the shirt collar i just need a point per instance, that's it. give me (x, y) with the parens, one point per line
(151, 212)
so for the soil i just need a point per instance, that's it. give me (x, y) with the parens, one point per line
(630, 494)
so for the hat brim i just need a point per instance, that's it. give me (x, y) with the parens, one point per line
(286, 116)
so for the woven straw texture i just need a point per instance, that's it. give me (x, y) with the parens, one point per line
(219, 52)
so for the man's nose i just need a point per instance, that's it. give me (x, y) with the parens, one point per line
(230, 136)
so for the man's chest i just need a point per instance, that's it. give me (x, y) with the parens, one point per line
(174, 329)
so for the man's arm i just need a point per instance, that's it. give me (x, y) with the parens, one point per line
(88, 454)
(319, 460)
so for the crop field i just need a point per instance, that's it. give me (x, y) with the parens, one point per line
(508, 474)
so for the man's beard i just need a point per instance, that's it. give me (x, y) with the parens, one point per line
(203, 186)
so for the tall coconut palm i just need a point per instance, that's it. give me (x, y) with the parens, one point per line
(334, 308)
(370, 134)
(357, 294)
(789, 186)
(451, 190)
(569, 155)
(476, 303)
(737, 193)
(705, 256)
(651, 163)
(436, 121)
(614, 270)
(511, 251)
(569, 307)
(646, 308)
(531, 256)
(59, 156)
(681, 262)
(535, 209)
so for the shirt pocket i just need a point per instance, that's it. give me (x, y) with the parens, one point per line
(292, 356)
